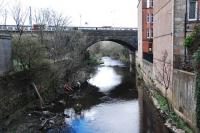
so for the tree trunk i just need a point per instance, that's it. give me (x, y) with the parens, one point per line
(39, 96)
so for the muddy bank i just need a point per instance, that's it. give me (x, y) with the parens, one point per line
(18, 98)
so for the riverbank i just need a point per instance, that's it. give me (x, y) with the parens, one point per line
(18, 98)
(171, 120)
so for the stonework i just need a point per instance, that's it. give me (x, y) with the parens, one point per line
(5, 53)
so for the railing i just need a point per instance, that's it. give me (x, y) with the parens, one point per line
(65, 28)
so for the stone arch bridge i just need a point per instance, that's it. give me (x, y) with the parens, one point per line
(124, 36)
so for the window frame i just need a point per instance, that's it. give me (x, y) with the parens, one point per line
(151, 3)
(148, 18)
(151, 18)
(150, 33)
(148, 3)
(188, 11)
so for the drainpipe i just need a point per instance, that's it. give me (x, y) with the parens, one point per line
(185, 30)
(172, 67)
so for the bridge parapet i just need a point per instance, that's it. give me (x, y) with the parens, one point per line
(65, 28)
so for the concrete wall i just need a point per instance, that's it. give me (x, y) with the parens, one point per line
(163, 38)
(183, 96)
(5, 53)
(182, 93)
(147, 67)
(162, 28)
(140, 29)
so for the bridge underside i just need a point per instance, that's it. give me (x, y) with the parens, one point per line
(127, 38)
(123, 43)
(131, 44)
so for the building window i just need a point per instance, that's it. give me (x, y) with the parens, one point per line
(150, 33)
(150, 48)
(149, 3)
(152, 18)
(148, 18)
(192, 10)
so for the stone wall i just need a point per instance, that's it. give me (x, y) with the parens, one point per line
(5, 53)
(183, 96)
(147, 67)
(163, 35)
(179, 31)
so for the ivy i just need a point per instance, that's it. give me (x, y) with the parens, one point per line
(197, 91)
(188, 40)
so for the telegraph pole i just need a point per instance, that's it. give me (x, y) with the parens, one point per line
(80, 20)
(30, 18)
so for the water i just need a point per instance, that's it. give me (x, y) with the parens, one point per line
(122, 108)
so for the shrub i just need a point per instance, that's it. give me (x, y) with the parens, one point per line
(27, 54)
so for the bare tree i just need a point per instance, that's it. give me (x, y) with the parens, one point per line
(5, 15)
(163, 69)
(1, 10)
(50, 18)
(43, 16)
(59, 21)
(19, 16)
(1, 4)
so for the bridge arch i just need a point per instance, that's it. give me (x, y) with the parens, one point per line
(119, 41)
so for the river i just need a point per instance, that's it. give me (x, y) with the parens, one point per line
(120, 109)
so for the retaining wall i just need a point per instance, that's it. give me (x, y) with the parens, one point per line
(182, 93)
(5, 53)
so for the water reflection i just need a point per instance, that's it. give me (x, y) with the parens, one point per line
(120, 117)
(105, 79)
(121, 108)
(107, 61)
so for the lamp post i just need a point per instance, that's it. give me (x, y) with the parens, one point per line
(80, 20)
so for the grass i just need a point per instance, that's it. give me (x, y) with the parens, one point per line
(163, 103)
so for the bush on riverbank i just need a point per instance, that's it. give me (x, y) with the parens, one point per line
(110, 49)
(93, 60)
(197, 91)
(27, 54)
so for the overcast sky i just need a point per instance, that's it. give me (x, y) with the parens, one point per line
(122, 13)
